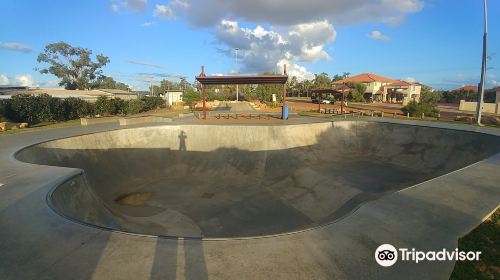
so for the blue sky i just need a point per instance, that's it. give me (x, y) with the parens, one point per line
(436, 42)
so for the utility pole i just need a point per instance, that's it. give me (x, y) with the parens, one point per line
(482, 84)
(237, 86)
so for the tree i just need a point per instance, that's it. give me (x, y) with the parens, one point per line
(110, 83)
(427, 104)
(190, 97)
(357, 92)
(322, 81)
(73, 65)
(337, 78)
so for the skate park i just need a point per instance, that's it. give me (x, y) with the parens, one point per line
(294, 200)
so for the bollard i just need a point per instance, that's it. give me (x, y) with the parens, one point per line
(439, 116)
(394, 115)
(382, 114)
(423, 116)
(372, 114)
(407, 115)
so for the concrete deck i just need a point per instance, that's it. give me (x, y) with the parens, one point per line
(37, 243)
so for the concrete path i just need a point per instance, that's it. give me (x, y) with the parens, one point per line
(36, 243)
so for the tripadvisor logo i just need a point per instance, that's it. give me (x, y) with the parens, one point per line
(387, 255)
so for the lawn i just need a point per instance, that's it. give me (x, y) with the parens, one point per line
(484, 238)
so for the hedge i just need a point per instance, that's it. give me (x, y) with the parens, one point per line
(44, 108)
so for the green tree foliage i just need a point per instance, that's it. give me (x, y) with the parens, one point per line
(73, 65)
(427, 105)
(44, 108)
(77, 108)
(110, 83)
(322, 81)
(190, 97)
(105, 107)
(337, 78)
(357, 92)
(134, 106)
(152, 103)
(456, 96)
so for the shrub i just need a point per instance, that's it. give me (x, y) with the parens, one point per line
(134, 106)
(106, 107)
(77, 108)
(190, 97)
(29, 108)
(416, 109)
(3, 105)
(151, 103)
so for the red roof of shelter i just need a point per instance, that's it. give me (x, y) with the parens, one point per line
(232, 80)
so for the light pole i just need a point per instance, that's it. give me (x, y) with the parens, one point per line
(482, 84)
(237, 86)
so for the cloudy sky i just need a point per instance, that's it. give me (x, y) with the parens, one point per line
(437, 42)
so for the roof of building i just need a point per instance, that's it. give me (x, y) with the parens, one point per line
(59, 92)
(249, 80)
(467, 88)
(115, 91)
(366, 78)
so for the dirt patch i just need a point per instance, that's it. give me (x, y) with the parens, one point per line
(134, 199)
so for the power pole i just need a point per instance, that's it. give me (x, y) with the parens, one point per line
(482, 84)
(237, 86)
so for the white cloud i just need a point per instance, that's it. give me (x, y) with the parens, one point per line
(25, 80)
(293, 69)
(377, 35)
(4, 80)
(291, 12)
(136, 5)
(411, 80)
(263, 50)
(164, 11)
(133, 5)
(147, 24)
(170, 10)
(18, 47)
(145, 63)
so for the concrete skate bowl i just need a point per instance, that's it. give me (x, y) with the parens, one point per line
(245, 181)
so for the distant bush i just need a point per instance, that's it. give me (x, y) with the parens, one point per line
(152, 103)
(134, 106)
(416, 109)
(3, 104)
(190, 97)
(44, 108)
(107, 107)
(29, 108)
(77, 108)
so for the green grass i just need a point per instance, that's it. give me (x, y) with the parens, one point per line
(484, 238)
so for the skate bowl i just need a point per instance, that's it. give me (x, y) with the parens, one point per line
(201, 181)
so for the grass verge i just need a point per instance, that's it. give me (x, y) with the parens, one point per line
(484, 238)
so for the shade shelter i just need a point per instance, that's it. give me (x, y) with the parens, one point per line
(321, 91)
(205, 80)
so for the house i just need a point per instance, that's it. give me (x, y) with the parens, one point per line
(471, 88)
(383, 89)
(173, 97)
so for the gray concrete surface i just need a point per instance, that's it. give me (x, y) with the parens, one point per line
(37, 243)
(243, 181)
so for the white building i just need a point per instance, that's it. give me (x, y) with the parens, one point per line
(173, 97)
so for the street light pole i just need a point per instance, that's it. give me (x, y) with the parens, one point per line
(237, 86)
(482, 84)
